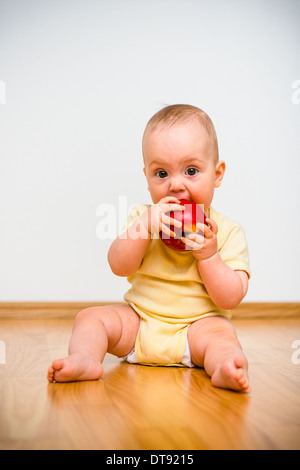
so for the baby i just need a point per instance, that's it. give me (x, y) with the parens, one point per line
(177, 312)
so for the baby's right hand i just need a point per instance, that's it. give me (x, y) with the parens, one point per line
(156, 220)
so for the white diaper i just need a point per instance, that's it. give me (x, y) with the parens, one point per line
(186, 360)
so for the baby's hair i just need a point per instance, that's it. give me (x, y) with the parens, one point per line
(181, 113)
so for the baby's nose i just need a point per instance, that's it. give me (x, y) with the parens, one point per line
(176, 184)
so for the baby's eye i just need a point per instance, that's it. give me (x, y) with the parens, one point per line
(191, 171)
(161, 174)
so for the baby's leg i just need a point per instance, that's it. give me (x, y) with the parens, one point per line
(96, 331)
(214, 345)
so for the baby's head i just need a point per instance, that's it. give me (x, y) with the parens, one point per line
(180, 114)
(181, 157)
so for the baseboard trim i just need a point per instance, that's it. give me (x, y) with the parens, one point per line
(262, 310)
(46, 310)
(65, 310)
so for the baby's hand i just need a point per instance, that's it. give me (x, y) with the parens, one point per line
(156, 220)
(203, 244)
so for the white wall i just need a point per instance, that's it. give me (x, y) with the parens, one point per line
(80, 79)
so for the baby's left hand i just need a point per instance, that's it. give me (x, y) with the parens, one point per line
(204, 244)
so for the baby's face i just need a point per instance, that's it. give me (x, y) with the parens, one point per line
(180, 162)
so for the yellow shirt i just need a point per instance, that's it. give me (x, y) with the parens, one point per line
(168, 293)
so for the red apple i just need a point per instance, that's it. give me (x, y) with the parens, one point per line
(192, 215)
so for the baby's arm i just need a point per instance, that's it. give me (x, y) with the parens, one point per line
(226, 287)
(128, 250)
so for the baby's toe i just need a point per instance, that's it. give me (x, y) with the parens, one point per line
(58, 364)
(50, 374)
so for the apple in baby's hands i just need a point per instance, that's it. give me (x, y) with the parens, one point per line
(192, 215)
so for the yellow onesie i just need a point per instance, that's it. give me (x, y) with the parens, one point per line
(168, 294)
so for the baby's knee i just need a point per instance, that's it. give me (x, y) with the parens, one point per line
(99, 313)
(227, 334)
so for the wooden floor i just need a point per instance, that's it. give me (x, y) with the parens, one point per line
(140, 407)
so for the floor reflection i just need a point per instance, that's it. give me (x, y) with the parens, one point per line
(138, 406)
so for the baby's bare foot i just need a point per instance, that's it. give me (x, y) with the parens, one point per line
(232, 374)
(76, 367)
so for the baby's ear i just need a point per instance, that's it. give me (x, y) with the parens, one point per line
(219, 171)
(144, 170)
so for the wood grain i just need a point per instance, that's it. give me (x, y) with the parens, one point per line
(140, 407)
(48, 310)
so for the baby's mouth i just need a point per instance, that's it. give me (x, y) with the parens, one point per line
(182, 198)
